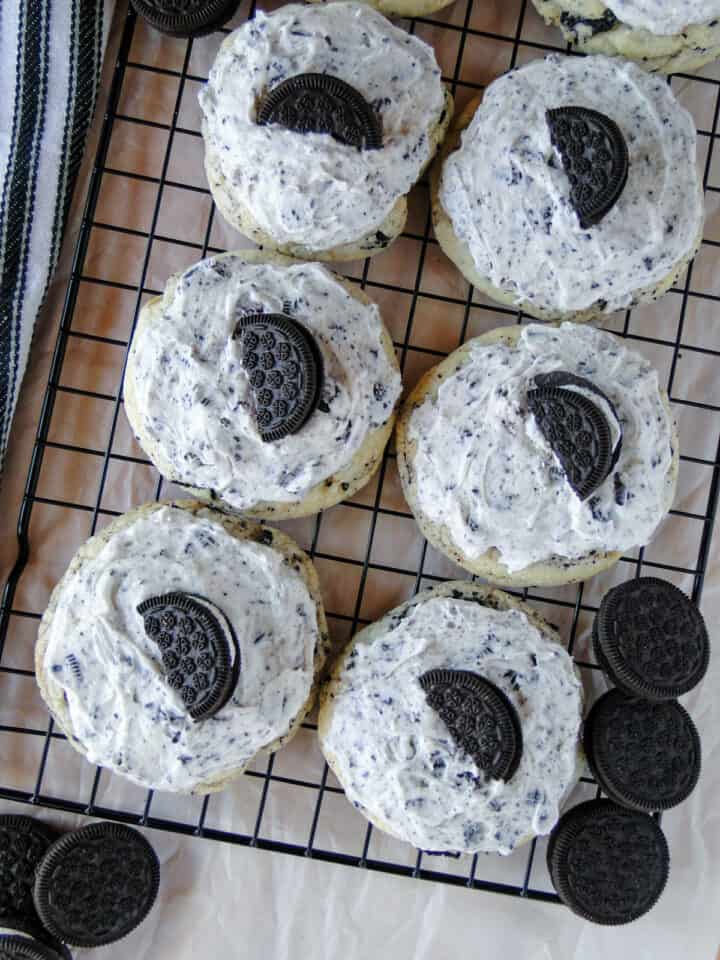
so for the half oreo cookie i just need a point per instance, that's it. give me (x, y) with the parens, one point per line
(197, 647)
(595, 158)
(581, 425)
(285, 368)
(479, 717)
(608, 864)
(23, 843)
(651, 639)
(96, 884)
(319, 103)
(186, 18)
(644, 755)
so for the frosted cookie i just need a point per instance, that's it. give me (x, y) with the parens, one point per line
(571, 190)
(663, 37)
(538, 454)
(452, 723)
(317, 121)
(264, 383)
(180, 644)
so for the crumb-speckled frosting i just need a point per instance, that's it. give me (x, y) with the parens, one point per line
(307, 188)
(507, 195)
(121, 708)
(195, 397)
(395, 757)
(663, 17)
(483, 469)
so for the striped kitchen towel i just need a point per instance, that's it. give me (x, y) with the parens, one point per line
(50, 53)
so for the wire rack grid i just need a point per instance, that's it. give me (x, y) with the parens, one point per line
(369, 553)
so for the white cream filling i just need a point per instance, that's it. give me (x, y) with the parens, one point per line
(395, 757)
(195, 398)
(483, 469)
(121, 708)
(663, 17)
(507, 195)
(307, 188)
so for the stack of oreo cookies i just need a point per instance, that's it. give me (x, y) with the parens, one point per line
(608, 859)
(87, 888)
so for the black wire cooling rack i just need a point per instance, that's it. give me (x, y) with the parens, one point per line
(473, 44)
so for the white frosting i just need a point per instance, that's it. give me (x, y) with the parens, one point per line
(507, 195)
(195, 398)
(394, 756)
(663, 17)
(308, 188)
(483, 469)
(121, 709)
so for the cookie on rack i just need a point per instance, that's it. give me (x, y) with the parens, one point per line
(181, 643)
(560, 193)
(263, 384)
(536, 455)
(452, 722)
(317, 122)
(668, 38)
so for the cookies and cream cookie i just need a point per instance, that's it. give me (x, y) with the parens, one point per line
(571, 189)
(181, 643)
(664, 37)
(537, 454)
(264, 383)
(453, 722)
(317, 121)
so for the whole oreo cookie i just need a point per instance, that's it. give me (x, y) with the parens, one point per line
(199, 659)
(644, 755)
(186, 18)
(96, 885)
(23, 948)
(23, 843)
(595, 158)
(285, 369)
(651, 639)
(579, 434)
(479, 717)
(608, 864)
(318, 103)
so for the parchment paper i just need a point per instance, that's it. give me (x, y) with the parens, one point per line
(224, 901)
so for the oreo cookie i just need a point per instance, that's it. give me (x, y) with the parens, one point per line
(23, 843)
(651, 639)
(34, 932)
(318, 103)
(95, 885)
(479, 717)
(14, 947)
(595, 158)
(201, 661)
(186, 18)
(644, 755)
(608, 864)
(285, 369)
(577, 429)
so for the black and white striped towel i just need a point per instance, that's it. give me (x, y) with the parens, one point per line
(50, 57)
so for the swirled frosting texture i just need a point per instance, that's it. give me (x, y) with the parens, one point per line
(121, 708)
(507, 195)
(483, 469)
(661, 17)
(395, 757)
(195, 398)
(307, 188)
